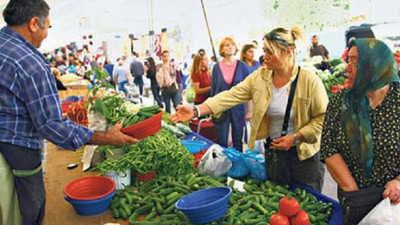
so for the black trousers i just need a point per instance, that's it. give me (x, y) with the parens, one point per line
(284, 167)
(30, 189)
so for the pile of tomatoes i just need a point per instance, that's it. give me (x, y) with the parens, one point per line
(289, 213)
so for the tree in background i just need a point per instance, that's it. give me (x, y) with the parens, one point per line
(313, 15)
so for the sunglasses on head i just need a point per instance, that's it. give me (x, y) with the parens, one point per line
(274, 37)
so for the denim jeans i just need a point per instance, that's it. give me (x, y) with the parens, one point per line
(222, 129)
(139, 82)
(175, 98)
(121, 86)
(155, 89)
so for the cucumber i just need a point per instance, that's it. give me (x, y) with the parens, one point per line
(185, 129)
(151, 215)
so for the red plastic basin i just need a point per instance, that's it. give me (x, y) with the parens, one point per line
(144, 128)
(89, 188)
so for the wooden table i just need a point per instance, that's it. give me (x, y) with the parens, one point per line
(58, 210)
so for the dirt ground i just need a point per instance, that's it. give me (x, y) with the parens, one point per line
(58, 210)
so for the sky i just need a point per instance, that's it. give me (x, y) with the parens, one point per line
(115, 20)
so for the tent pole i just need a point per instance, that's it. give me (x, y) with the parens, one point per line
(208, 28)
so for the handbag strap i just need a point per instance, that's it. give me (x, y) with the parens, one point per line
(289, 105)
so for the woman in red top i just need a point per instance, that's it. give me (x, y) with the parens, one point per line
(201, 79)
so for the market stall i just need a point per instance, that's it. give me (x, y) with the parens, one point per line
(170, 161)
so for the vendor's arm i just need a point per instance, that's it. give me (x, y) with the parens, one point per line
(113, 136)
(43, 105)
(340, 172)
(392, 190)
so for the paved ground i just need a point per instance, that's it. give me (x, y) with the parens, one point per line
(330, 186)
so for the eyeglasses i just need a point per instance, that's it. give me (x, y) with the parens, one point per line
(352, 64)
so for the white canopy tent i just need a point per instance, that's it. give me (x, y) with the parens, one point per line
(245, 20)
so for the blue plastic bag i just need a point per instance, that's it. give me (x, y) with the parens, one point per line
(255, 162)
(239, 168)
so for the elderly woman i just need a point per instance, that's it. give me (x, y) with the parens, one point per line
(361, 132)
(293, 151)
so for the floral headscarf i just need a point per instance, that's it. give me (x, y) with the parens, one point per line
(376, 68)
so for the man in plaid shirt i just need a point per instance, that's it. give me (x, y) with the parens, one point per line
(30, 107)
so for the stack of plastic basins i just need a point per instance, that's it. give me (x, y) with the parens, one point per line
(90, 195)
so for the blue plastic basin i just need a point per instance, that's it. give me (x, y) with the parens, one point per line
(91, 207)
(193, 146)
(206, 205)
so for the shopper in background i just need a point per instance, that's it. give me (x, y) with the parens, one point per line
(262, 61)
(151, 74)
(213, 61)
(294, 153)
(226, 74)
(166, 79)
(137, 71)
(317, 49)
(201, 79)
(360, 138)
(122, 76)
(247, 56)
(57, 76)
(30, 108)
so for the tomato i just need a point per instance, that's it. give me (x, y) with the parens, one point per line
(301, 218)
(279, 219)
(288, 206)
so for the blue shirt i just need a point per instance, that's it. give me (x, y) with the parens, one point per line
(253, 67)
(29, 103)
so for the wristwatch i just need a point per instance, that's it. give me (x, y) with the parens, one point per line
(296, 139)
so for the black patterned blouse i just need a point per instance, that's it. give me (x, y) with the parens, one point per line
(385, 123)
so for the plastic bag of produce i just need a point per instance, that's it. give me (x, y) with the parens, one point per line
(255, 162)
(239, 168)
(384, 213)
(214, 162)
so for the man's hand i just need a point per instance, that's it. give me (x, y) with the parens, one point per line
(392, 191)
(183, 113)
(113, 136)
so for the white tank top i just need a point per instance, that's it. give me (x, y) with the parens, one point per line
(276, 111)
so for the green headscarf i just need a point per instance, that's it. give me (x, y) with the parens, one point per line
(376, 68)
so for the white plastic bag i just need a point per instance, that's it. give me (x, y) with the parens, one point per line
(384, 213)
(91, 156)
(214, 162)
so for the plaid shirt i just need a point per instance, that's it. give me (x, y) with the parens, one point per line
(29, 102)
